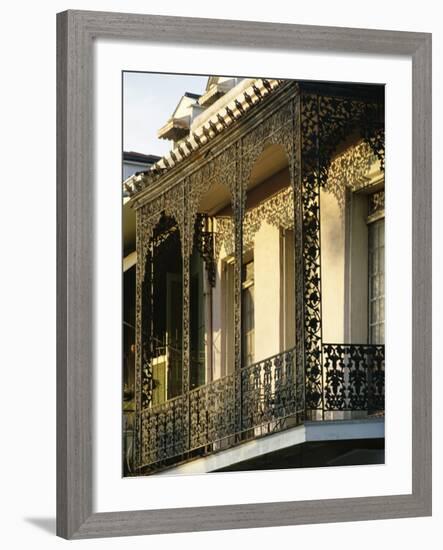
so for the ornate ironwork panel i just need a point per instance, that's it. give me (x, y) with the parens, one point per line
(272, 400)
(146, 347)
(204, 243)
(275, 129)
(187, 243)
(350, 170)
(212, 414)
(239, 198)
(353, 377)
(325, 123)
(164, 433)
(277, 210)
(222, 169)
(310, 197)
(374, 134)
(152, 229)
(224, 235)
(376, 379)
(376, 204)
(165, 232)
(269, 392)
(297, 201)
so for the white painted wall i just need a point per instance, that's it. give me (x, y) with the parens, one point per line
(357, 292)
(332, 267)
(217, 340)
(267, 291)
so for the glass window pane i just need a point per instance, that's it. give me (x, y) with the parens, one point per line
(376, 281)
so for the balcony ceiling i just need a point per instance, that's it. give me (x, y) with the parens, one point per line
(271, 162)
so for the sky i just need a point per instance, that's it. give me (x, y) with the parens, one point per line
(148, 101)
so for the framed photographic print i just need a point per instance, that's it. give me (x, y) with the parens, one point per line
(244, 274)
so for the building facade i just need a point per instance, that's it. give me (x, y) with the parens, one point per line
(259, 279)
(134, 162)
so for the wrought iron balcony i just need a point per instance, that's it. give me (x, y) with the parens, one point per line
(263, 398)
(354, 377)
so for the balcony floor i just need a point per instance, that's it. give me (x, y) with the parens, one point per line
(313, 444)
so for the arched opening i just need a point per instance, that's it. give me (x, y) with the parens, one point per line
(268, 283)
(268, 295)
(165, 326)
(212, 288)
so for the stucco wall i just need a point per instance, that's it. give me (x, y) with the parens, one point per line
(357, 293)
(267, 291)
(332, 222)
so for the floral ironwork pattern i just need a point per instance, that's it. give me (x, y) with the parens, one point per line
(165, 229)
(224, 235)
(350, 170)
(325, 123)
(164, 434)
(269, 393)
(271, 402)
(354, 377)
(277, 210)
(204, 243)
(212, 415)
(376, 204)
(310, 193)
(374, 135)
(276, 129)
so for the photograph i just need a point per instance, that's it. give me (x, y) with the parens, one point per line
(253, 253)
(221, 233)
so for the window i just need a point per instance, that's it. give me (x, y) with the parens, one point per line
(228, 317)
(376, 249)
(248, 325)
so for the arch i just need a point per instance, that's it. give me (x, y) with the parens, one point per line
(279, 130)
(161, 312)
(269, 195)
(268, 259)
(210, 289)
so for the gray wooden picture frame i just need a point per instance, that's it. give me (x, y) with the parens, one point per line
(76, 31)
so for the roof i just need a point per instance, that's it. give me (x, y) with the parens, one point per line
(178, 124)
(191, 95)
(133, 156)
(215, 88)
(229, 112)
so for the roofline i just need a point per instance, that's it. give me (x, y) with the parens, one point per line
(191, 95)
(221, 121)
(134, 156)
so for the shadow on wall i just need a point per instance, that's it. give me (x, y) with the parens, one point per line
(45, 524)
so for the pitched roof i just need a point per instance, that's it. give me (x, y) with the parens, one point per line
(133, 156)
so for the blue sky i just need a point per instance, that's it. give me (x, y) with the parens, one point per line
(148, 101)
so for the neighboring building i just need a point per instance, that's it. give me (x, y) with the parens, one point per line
(259, 283)
(137, 162)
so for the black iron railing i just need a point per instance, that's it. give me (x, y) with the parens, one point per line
(212, 412)
(270, 393)
(204, 421)
(353, 377)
